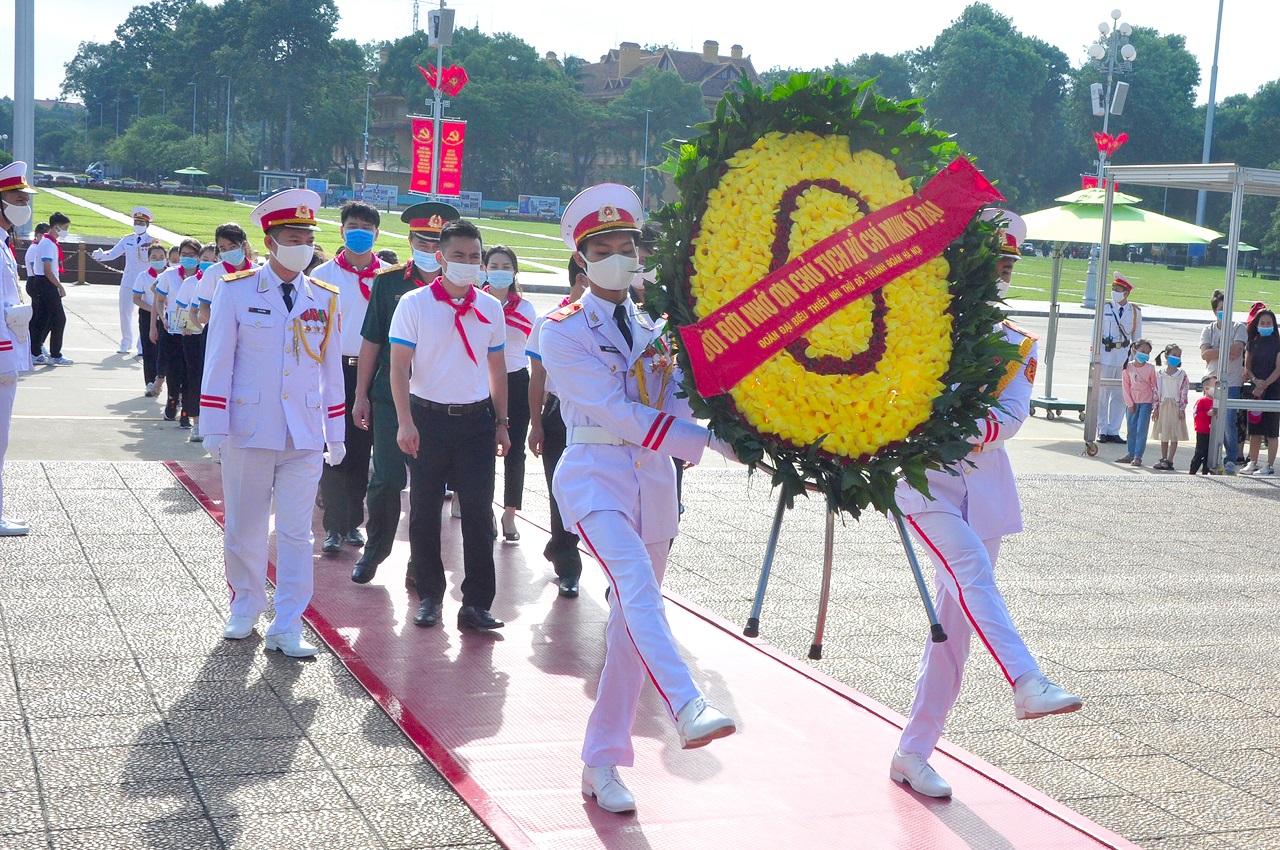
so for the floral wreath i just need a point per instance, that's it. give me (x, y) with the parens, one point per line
(888, 387)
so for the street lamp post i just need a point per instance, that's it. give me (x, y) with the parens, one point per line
(441, 36)
(644, 177)
(1202, 195)
(117, 117)
(227, 146)
(1114, 55)
(364, 170)
(193, 106)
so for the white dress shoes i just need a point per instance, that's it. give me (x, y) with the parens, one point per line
(239, 628)
(1035, 696)
(606, 786)
(699, 723)
(292, 644)
(13, 527)
(912, 769)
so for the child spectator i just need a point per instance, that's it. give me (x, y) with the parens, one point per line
(144, 297)
(1203, 419)
(1138, 383)
(1262, 366)
(1171, 406)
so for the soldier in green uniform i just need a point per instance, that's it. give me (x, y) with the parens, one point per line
(374, 408)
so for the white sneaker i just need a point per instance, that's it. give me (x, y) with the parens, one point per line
(912, 769)
(606, 786)
(1266, 470)
(455, 508)
(40, 360)
(122, 350)
(292, 644)
(13, 527)
(699, 723)
(239, 628)
(1250, 468)
(59, 361)
(1035, 696)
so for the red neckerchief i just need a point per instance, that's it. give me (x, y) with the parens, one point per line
(61, 270)
(564, 302)
(230, 269)
(459, 310)
(152, 272)
(514, 319)
(361, 275)
(409, 275)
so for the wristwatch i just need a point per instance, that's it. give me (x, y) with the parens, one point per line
(503, 421)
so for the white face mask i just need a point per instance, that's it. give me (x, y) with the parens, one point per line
(295, 258)
(18, 215)
(1002, 288)
(426, 261)
(464, 274)
(613, 273)
(140, 229)
(1116, 297)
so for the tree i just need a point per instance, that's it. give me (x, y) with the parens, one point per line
(894, 75)
(673, 108)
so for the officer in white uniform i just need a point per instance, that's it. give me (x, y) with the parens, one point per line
(616, 484)
(960, 525)
(1121, 327)
(134, 250)
(15, 354)
(272, 398)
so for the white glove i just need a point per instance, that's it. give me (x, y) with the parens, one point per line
(8, 378)
(337, 451)
(720, 447)
(98, 253)
(213, 444)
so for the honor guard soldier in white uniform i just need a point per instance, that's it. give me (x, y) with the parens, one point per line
(272, 399)
(616, 483)
(961, 524)
(352, 271)
(15, 354)
(1121, 327)
(134, 250)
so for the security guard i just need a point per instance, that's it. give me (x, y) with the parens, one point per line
(961, 523)
(272, 399)
(374, 408)
(616, 483)
(15, 354)
(134, 250)
(1121, 326)
(352, 271)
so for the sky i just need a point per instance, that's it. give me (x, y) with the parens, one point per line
(811, 34)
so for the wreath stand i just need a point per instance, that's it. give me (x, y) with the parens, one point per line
(937, 635)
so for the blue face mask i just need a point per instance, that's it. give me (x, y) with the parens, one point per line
(426, 261)
(158, 265)
(1266, 331)
(204, 264)
(358, 241)
(234, 257)
(501, 278)
(1174, 361)
(1219, 315)
(1142, 357)
(189, 264)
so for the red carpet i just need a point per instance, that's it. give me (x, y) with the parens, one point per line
(501, 716)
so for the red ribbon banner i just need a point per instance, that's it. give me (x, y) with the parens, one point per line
(729, 344)
(452, 137)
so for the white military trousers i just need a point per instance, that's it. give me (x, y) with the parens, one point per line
(968, 602)
(1111, 407)
(129, 319)
(250, 478)
(638, 639)
(8, 392)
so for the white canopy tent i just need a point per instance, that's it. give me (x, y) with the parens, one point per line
(1213, 177)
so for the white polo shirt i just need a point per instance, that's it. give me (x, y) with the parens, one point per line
(31, 259)
(169, 284)
(46, 249)
(442, 370)
(352, 302)
(142, 286)
(187, 300)
(213, 276)
(518, 328)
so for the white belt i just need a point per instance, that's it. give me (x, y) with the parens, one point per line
(591, 434)
(987, 447)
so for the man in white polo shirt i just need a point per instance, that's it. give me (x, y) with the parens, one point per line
(449, 382)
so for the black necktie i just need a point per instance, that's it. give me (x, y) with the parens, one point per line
(624, 324)
(286, 289)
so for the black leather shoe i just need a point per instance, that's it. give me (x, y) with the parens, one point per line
(354, 538)
(569, 587)
(472, 617)
(428, 613)
(364, 571)
(332, 543)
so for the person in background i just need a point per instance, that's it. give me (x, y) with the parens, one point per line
(233, 256)
(48, 319)
(144, 298)
(647, 244)
(135, 249)
(1211, 346)
(501, 271)
(388, 256)
(1121, 325)
(1139, 386)
(169, 331)
(1203, 420)
(30, 258)
(15, 357)
(1171, 406)
(318, 259)
(193, 338)
(1262, 367)
(173, 256)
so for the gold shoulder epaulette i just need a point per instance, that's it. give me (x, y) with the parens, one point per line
(565, 312)
(398, 267)
(238, 275)
(1028, 334)
(324, 285)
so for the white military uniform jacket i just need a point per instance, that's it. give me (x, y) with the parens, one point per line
(985, 494)
(262, 379)
(15, 354)
(134, 250)
(598, 379)
(1123, 325)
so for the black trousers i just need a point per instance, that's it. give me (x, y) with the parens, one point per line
(149, 348)
(518, 428)
(193, 361)
(460, 450)
(562, 549)
(385, 484)
(343, 486)
(48, 319)
(175, 370)
(1201, 457)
